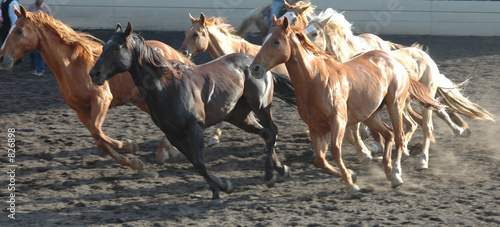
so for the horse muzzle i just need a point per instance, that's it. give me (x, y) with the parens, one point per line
(258, 70)
(97, 76)
(6, 62)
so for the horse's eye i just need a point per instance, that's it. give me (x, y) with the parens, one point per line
(315, 34)
(116, 49)
(20, 32)
(276, 42)
(195, 35)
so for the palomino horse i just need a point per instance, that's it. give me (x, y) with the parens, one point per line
(260, 17)
(70, 55)
(330, 31)
(332, 95)
(216, 37)
(184, 100)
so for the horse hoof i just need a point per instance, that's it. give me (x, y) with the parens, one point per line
(229, 187)
(405, 155)
(212, 141)
(422, 165)
(272, 182)
(137, 164)
(352, 191)
(354, 176)
(162, 156)
(465, 133)
(286, 172)
(397, 181)
(130, 146)
(375, 147)
(216, 202)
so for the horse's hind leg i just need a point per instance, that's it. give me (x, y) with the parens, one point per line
(353, 137)
(215, 138)
(461, 130)
(411, 127)
(162, 153)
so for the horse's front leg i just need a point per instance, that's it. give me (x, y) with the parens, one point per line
(320, 146)
(93, 122)
(164, 146)
(192, 148)
(338, 127)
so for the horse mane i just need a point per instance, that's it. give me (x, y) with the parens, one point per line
(221, 25)
(310, 8)
(86, 42)
(149, 55)
(338, 32)
(307, 44)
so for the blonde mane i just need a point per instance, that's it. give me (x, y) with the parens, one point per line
(306, 43)
(338, 32)
(86, 42)
(221, 25)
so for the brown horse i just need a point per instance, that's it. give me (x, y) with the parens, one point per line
(185, 99)
(330, 31)
(216, 37)
(70, 55)
(333, 95)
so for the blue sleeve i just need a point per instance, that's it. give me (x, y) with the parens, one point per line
(12, 15)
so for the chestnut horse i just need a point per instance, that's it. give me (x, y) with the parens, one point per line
(333, 95)
(216, 37)
(330, 31)
(184, 100)
(70, 55)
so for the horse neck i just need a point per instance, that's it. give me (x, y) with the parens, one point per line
(221, 44)
(70, 68)
(344, 46)
(143, 71)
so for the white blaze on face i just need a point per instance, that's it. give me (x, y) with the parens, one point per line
(11, 29)
(309, 29)
(291, 17)
(267, 38)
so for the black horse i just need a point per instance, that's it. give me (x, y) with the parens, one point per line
(183, 100)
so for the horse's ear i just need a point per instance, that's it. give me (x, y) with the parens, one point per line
(193, 20)
(285, 24)
(275, 21)
(202, 18)
(21, 13)
(118, 28)
(288, 6)
(129, 29)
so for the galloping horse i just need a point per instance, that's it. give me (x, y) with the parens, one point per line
(70, 55)
(184, 100)
(260, 17)
(215, 36)
(332, 95)
(330, 31)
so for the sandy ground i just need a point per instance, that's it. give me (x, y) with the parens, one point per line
(63, 179)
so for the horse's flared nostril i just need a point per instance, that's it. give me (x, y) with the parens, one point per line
(256, 68)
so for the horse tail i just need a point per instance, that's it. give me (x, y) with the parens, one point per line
(450, 95)
(421, 93)
(283, 89)
(247, 22)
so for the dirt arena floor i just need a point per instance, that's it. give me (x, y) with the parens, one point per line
(62, 178)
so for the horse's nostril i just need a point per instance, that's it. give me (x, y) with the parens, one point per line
(256, 68)
(2, 58)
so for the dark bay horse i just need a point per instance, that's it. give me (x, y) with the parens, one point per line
(184, 100)
(70, 55)
(333, 95)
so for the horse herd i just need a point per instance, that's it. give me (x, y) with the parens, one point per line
(316, 64)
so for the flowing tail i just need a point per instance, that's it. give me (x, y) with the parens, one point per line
(421, 93)
(454, 100)
(283, 89)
